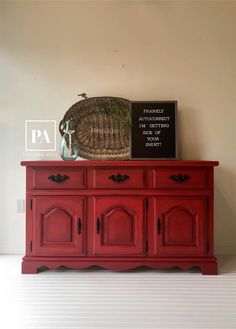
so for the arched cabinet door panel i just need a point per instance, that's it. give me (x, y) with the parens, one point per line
(179, 226)
(117, 225)
(58, 225)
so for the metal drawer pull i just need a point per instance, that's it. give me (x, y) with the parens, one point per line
(159, 226)
(79, 226)
(180, 178)
(98, 225)
(119, 178)
(58, 178)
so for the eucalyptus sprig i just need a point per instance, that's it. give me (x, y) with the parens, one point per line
(115, 108)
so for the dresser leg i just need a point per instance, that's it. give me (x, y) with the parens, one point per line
(209, 269)
(29, 268)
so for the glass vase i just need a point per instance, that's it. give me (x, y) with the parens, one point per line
(69, 144)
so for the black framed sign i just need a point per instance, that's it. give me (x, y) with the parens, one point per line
(153, 130)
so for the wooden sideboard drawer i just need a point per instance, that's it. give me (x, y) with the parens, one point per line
(116, 178)
(58, 178)
(179, 178)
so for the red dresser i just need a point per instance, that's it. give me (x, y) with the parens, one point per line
(119, 214)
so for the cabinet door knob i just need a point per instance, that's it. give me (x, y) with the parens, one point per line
(98, 225)
(180, 178)
(79, 226)
(119, 178)
(159, 226)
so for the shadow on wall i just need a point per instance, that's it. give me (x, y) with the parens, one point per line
(179, 135)
(187, 125)
(225, 218)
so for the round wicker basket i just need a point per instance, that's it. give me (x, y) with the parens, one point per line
(99, 132)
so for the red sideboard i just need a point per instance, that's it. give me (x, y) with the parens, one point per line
(119, 214)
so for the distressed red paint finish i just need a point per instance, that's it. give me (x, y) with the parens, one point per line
(119, 215)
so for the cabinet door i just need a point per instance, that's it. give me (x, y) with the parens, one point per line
(179, 226)
(58, 225)
(116, 225)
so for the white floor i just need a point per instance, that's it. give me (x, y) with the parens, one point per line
(98, 298)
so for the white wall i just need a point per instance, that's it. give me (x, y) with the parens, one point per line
(140, 50)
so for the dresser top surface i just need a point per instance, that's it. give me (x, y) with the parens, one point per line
(124, 163)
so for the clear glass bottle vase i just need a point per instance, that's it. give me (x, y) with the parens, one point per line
(69, 144)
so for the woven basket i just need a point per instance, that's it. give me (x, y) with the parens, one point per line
(99, 134)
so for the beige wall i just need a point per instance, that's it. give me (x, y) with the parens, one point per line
(140, 50)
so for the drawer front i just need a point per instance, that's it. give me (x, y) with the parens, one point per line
(58, 178)
(179, 178)
(116, 178)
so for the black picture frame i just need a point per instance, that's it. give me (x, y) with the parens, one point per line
(153, 130)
